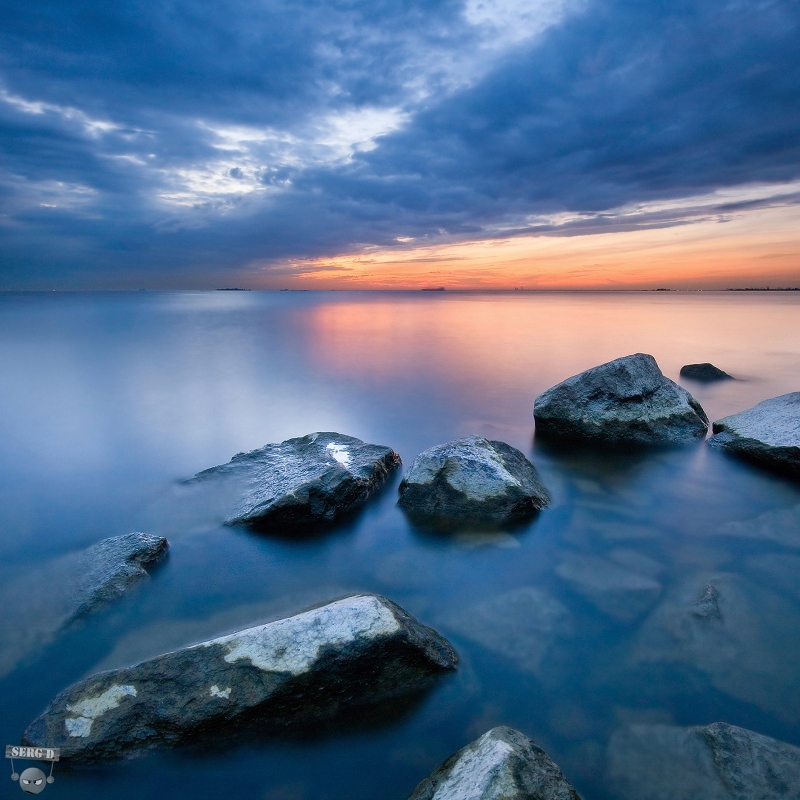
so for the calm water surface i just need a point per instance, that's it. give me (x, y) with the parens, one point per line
(107, 401)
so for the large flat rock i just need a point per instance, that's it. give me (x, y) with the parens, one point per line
(767, 434)
(503, 764)
(313, 479)
(59, 592)
(627, 400)
(713, 762)
(472, 479)
(361, 650)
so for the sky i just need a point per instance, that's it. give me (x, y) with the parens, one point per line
(486, 144)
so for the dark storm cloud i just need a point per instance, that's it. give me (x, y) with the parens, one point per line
(144, 139)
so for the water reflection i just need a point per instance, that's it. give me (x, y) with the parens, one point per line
(570, 628)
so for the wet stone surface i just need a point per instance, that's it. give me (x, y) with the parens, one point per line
(304, 669)
(70, 587)
(767, 434)
(626, 400)
(503, 764)
(472, 479)
(317, 478)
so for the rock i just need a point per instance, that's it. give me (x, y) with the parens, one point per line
(780, 527)
(704, 372)
(59, 592)
(742, 637)
(616, 590)
(358, 651)
(625, 401)
(315, 478)
(714, 762)
(767, 434)
(503, 764)
(472, 479)
(522, 625)
(112, 566)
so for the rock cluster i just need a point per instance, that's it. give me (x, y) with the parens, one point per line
(624, 401)
(472, 479)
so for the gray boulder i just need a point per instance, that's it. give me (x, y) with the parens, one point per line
(625, 401)
(767, 434)
(704, 372)
(315, 478)
(57, 593)
(503, 764)
(361, 650)
(472, 479)
(714, 762)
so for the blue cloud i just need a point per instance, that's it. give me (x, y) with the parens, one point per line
(153, 142)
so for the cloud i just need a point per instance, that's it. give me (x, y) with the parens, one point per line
(147, 142)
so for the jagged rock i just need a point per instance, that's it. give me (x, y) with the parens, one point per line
(625, 401)
(305, 669)
(522, 625)
(704, 372)
(503, 764)
(472, 479)
(767, 434)
(743, 637)
(622, 593)
(315, 478)
(714, 762)
(59, 592)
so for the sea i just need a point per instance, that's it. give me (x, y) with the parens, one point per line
(571, 628)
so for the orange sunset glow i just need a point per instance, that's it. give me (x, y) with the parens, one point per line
(758, 247)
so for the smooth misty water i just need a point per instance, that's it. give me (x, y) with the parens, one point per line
(109, 400)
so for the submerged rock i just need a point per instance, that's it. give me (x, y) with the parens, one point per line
(522, 625)
(714, 762)
(767, 434)
(781, 527)
(742, 637)
(624, 401)
(503, 764)
(305, 669)
(618, 591)
(472, 479)
(704, 372)
(61, 591)
(315, 478)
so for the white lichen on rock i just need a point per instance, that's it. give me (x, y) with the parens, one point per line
(472, 775)
(225, 693)
(90, 708)
(291, 645)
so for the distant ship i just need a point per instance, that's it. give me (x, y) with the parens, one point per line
(437, 289)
